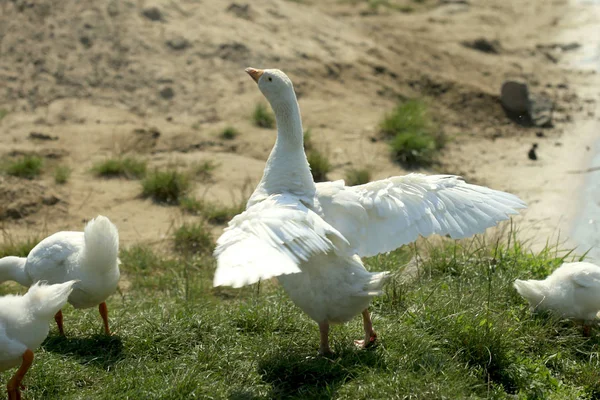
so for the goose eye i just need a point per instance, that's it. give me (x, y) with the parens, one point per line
(270, 79)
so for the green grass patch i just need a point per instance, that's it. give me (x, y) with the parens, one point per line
(212, 212)
(3, 113)
(126, 167)
(27, 167)
(414, 138)
(18, 248)
(168, 186)
(193, 238)
(458, 330)
(319, 165)
(203, 171)
(262, 117)
(229, 133)
(62, 174)
(358, 176)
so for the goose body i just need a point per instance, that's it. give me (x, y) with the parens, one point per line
(90, 257)
(572, 291)
(311, 236)
(24, 326)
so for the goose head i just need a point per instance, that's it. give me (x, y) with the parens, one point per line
(274, 85)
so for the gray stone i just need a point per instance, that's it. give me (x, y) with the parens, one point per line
(167, 93)
(525, 107)
(152, 13)
(178, 43)
(515, 96)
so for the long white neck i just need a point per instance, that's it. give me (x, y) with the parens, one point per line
(287, 168)
(13, 269)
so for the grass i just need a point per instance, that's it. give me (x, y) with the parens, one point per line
(229, 133)
(168, 186)
(319, 165)
(193, 238)
(213, 213)
(17, 248)
(358, 176)
(203, 171)
(458, 330)
(262, 117)
(62, 174)
(27, 167)
(414, 138)
(3, 113)
(121, 167)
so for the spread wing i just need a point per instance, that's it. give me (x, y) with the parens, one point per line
(270, 239)
(381, 216)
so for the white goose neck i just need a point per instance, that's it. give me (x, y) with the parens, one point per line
(287, 169)
(13, 269)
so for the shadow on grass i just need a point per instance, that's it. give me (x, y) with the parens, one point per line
(294, 375)
(99, 350)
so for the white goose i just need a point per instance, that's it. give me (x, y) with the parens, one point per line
(571, 291)
(24, 326)
(91, 257)
(311, 237)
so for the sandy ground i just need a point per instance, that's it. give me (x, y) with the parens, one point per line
(101, 76)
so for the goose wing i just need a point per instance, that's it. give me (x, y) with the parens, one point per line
(271, 238)
(383, 215)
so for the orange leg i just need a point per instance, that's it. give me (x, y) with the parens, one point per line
(14, 384)
(104, 314)
(370, 335)
(59, 321)
(324, 331)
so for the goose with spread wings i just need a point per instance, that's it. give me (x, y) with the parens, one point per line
(312, 236)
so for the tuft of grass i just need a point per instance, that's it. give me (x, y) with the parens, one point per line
(62, 174)
(167, 187)
(27, 167)
(3, 113)
(308, 144)
(414, 139)
(358, 176)
(203, 171)
(319, 165)
(21, 248)
(127, 167)
(193, 238)
(229, 133)
(213, 213)
(262, 117)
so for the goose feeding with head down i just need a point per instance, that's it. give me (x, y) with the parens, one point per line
(571, 291)
(24, 324)
(311, 236)
(91, 257)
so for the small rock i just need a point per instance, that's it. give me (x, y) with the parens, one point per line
(240, 10)
(167, 93)
(86, 41)
(515, 96)
(562, 86)
(152, 13)
(178, 43)
(540, 110)
(540, 134)
(524, 107)
(41, 136)
(50, 200)
(532, 155)
(484, 45)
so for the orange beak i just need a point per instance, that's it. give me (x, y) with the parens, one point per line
(255, 73)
